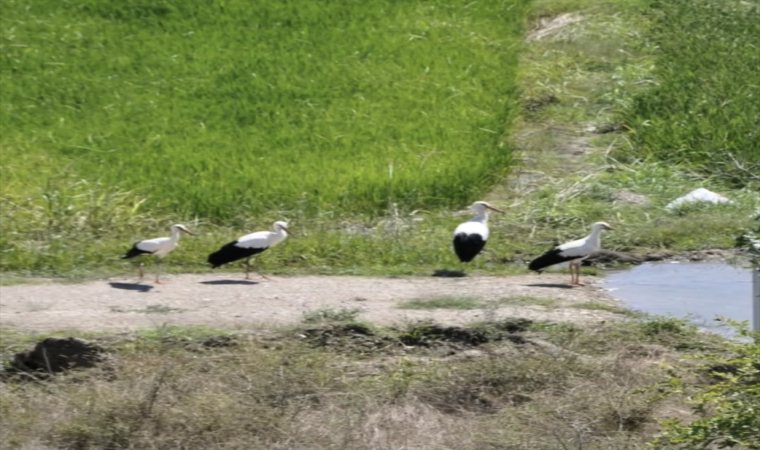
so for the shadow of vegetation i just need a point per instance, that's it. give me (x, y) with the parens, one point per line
(131, 286)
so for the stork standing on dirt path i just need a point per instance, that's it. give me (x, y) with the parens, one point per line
(158, 246)
(470, 237)
(249, 245)
(572, 252)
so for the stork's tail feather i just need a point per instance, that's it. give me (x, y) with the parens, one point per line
(231, 252)
(539, 264)
(134, 251)
(217, 259)
(467, 246)
(549, 258)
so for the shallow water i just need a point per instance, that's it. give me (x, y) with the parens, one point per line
(699, 291)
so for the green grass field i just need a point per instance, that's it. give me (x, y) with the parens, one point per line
(366, 126)
(120, 118)
(221, 110)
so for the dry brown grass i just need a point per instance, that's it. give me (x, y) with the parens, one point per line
(557, 387)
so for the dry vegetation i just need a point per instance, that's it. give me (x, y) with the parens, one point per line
(506, 385)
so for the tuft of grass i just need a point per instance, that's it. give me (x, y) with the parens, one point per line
(149, 309)
(331, 315)
(10, 280)
(527, 300)
(598, 306)
(180, 332)
(445, 302)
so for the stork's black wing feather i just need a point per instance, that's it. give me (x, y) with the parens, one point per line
(550, 258)
(231, 252)
(134, 251)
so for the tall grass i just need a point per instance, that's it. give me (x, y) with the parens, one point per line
(222, 109)
(704, 111)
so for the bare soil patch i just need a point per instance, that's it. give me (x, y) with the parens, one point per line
(226, 300)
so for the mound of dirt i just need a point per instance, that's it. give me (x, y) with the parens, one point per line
(54, 355)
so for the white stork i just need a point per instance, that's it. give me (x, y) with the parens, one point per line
(249, 245)
(470, 237)
(573, 252)
(158, 246)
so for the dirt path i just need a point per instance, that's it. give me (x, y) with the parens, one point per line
(225, 300)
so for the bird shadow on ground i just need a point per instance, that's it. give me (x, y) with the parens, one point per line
(227, 282)
(448, 273)
(131, 286)
(552, 285)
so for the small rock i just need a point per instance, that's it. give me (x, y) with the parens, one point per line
(698, 195)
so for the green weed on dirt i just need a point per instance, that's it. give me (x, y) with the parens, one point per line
(441, 303)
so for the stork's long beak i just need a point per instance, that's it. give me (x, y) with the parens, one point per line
(287, 230)
(188, 231)
(494, 209)
(608, 228)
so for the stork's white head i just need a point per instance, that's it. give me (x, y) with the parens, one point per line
(280, 225)
(180, 227)
(598, 226)
(482, 207)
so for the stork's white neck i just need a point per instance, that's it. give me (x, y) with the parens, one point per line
(595, 237)
(175, 234)
(480, 216)
(278, 236)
